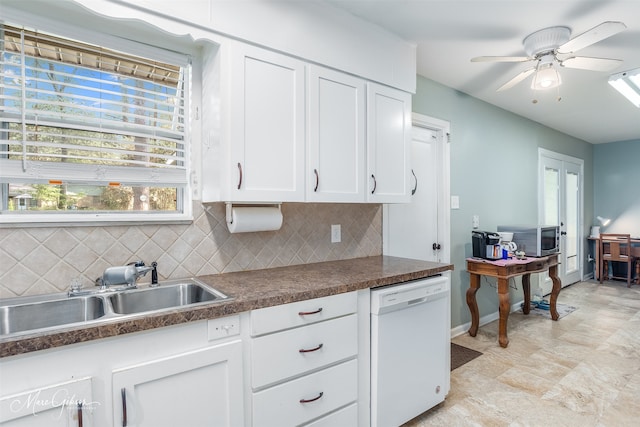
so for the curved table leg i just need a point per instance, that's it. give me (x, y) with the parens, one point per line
(504, 308)
(553, 274)
(526, 290)
(474, 285)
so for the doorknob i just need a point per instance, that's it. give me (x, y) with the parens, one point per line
(436, 246)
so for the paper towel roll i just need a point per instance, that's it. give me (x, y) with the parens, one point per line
(254, 218)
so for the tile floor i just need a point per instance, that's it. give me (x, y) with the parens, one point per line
(583, 370)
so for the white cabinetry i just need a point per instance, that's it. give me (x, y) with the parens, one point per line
(171, 376)
(388, 138)
(259, 121)
(304, 362)
(266, 127)
(192, 389)
(336, 141)
(63, 404)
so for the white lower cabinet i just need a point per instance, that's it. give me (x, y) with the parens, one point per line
(298, 364)
(172, 376)
(197, 388)
(304, 363)
(64, 404)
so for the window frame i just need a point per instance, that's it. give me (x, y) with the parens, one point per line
(183, 213)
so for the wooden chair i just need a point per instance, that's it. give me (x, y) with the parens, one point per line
(635, 252)
(615, 247)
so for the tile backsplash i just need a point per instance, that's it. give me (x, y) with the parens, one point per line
(43, 260)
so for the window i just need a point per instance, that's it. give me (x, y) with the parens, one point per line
(89, 133)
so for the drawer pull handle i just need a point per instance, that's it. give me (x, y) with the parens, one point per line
(308, 313)
(312, 400)
(317, 180)
(309, 350)
(123, 392)
(79, 412)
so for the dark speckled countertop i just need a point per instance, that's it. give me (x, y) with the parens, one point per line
(250, 290)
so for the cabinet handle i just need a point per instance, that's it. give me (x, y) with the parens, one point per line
(307, 313)
(312, 400)
(375, 183)
(123, 392)
(240, 178)
(310, 350)
(79, 414)
(317, 180)
(416, 186)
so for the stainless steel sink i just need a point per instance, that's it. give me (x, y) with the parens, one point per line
(44, 314)
(162, 297)
(34, 313)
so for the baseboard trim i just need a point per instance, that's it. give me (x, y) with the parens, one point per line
(462, 329)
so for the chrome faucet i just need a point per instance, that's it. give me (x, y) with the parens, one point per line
(126, 275)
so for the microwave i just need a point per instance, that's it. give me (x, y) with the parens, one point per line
(536, 240)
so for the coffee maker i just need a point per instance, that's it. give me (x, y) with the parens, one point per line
(486, 245)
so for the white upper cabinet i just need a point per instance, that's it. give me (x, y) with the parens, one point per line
(336, 137)
(266, 127)
(388, 143)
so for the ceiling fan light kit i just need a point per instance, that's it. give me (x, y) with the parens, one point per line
(547, 76)
(628, 84)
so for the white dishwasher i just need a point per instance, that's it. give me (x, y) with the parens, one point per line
(410, 349)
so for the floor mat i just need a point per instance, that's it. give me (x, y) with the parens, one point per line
(461, 355)
(563, 310)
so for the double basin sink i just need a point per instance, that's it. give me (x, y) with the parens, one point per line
(31, 314)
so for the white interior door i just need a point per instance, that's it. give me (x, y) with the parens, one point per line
(561, 183)
(420, 229)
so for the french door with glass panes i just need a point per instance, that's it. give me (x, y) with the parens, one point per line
(560, 203)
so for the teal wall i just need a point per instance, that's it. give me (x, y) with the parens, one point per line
(494, 158)
(617, 186)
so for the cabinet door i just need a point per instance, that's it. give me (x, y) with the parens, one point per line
(388, 137)
(199, 388)
(63, 404)
(336, 145)
(267, 126)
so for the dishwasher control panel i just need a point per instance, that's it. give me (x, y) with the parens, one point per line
(409, 293)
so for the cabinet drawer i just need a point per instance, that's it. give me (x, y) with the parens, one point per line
(272, 319)
(281, 405)
(344, 417)
(278, 356)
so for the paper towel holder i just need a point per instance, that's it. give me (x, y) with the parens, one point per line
(229, 207)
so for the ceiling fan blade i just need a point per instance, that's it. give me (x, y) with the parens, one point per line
(501, 59)
(594, 35)
(592, 64)
(517, 79)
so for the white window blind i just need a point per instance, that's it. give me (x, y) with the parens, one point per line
(73, 113)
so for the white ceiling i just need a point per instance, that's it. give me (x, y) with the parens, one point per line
(448, 33)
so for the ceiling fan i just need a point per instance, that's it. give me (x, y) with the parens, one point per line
(552, 48)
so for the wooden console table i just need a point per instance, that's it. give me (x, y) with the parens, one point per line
(503, 270)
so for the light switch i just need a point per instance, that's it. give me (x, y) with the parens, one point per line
(455, 202)
(476, 221)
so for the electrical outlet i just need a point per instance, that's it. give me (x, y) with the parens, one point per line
(476, 221)
(336, 236)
